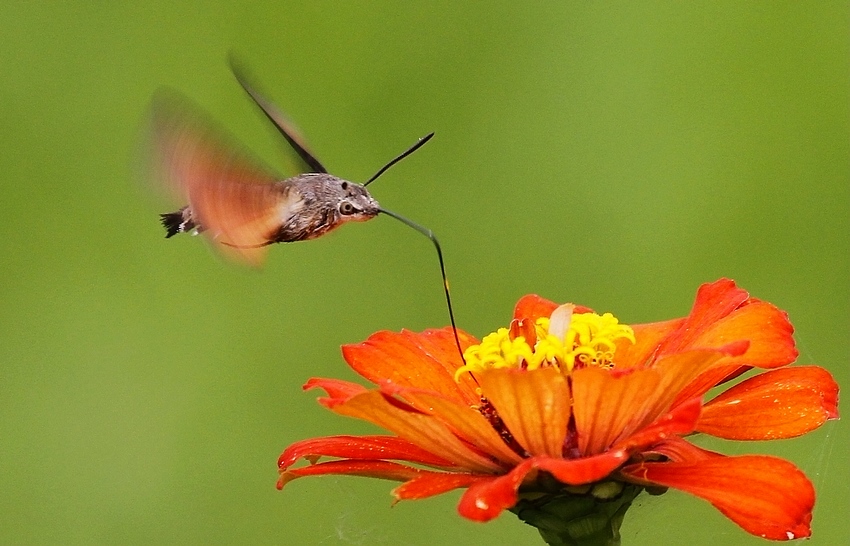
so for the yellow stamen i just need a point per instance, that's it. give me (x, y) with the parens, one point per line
(574, 340)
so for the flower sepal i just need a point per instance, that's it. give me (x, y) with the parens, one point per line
(588, 515)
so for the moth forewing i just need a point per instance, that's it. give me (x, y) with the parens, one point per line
(280, 120)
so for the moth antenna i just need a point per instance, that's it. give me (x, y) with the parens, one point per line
(430, 234)
(409, 151)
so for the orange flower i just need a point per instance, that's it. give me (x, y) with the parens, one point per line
(567, 394)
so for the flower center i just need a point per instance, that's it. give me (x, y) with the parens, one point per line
(564, 340)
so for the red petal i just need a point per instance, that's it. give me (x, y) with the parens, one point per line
(425, 431)
(434, 483)
(371, 469)
(358, 447)
(425, 361)
(583, 470)
(534, 406)
(487, 498)
(768, 497)
(779, 403)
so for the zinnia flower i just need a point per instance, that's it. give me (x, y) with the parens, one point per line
(565, 403)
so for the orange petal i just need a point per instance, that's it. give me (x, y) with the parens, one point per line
(766, 328)
(779, 403)
(609, 406)
(358, 447)
(605, 404)
(429, 484)
(412, 360)
(766, 496)
(678, 371)
(467, 423)
(372, 469)
(534, 406)
(441, 345)
(487, 498)
(706, 381)
(425, 431)
(647, 339)
(680, 420)
(724, 313)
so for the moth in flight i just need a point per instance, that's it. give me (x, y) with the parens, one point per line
(241, 205)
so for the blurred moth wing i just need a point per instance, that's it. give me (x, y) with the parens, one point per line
(231, 197)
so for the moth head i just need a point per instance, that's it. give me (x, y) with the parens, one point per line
(355, 203)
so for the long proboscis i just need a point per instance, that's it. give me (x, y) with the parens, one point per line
(430, 234)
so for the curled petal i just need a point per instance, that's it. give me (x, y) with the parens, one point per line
(487, 498)
(766, 328)
(779, 403)
(681, 451)
(533, 307)
(425, 361)
(766, 496)
(534, 406)
(337, 389)
(425, 431)
(714, 301)
(358, 447)
(371, 469)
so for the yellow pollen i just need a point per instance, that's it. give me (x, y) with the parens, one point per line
(588, 340)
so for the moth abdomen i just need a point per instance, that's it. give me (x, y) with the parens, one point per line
(177, 222)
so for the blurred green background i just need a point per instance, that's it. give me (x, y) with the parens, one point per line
(615, 156)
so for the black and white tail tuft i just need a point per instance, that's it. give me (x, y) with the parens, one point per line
(176, 222)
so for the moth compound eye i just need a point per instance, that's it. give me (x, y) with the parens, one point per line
(344, 185)
(346, 208)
